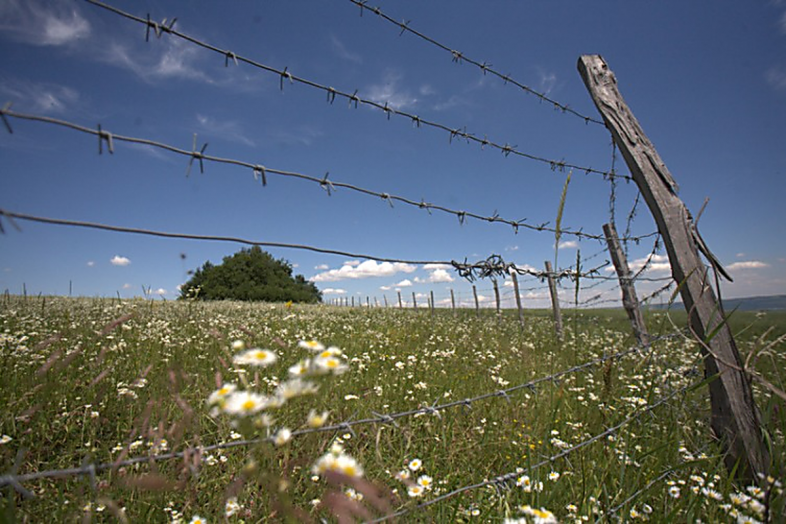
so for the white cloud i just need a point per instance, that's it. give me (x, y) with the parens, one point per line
(367, 269)
(126, 286)
(322, 267)
(659, 263)
(404, 283)
(419, 280)
(385, 288)
(230, 130)
(342, 52)
(750, 264)
(440, 275)
(389, 92)
(39, 97)
(740, 255)
(567, 244)
(352, 263)
(332, 291)
(117, 260)
(431, 267)
(91, 263)
(547, 81)
(169, 58)
(43, 23)
(160, 291)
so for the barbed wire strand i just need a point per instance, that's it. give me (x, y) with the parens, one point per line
(14, 479)
(485, 67)
(503, 479)
(352, 98)
(492, 266)
(260, 172)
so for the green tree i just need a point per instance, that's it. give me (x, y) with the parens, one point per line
(250, 274)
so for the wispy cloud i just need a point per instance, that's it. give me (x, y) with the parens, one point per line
(341, 51)
(546, 81)
(230, 130)
(568, 244)
(749, 264)
(334, 291)
(776, 77)
(43, 23)
(117, 260)
(367, 269)
(391, 93)
(322, 267)
(301, 135)
(40, 97)
(169, 59)
(90, 263)
(659, 263)
(405, 283)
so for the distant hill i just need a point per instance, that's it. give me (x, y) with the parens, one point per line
(768, 303)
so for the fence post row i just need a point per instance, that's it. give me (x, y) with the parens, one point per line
(554, 300)
(735, 418)
(629, 299)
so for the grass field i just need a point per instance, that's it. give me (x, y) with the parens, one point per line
(92, 381)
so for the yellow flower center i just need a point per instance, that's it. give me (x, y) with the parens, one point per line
(248, 405)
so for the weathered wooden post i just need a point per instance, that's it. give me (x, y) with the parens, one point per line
(385, 297)
(554, 300)
(452, 302)
(735, 417)
(477, 304)
(414, 301)
(353, 301)
(496, 296)
(400, 303)
(515, 278)
(629, 299)
(431, 304)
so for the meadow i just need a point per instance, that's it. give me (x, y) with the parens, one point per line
(101, 381)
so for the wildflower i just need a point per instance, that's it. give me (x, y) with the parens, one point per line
(312, 345)
(316, 420)
(541, 516)
(402, 475)
(524, 482)
(353, 495)
(338, 462)
(245, 403)
(572, 508)
(294, 388)
(634, 514)
(238, 345)
(232, 507)
(330, 364)
(301, 368)
(5, 439)
(415, 464)
(219, 396)
(744, 519)
(415, 490)
(711, 494)
(255, 357)
(554, 476)
(425, 481)
(196, 519)
(283, 436)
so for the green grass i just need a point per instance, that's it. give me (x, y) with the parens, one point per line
(79, 389)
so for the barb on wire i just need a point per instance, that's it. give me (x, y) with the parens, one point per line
(262, 171)
(91, 469)
(354, 98)
(485, 67)
(508, 477)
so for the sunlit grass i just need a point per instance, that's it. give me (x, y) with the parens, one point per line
(99, 380)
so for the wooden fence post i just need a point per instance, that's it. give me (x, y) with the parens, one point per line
(554, 300)
(414, 301)
(432, 302)
(629, 299)
(400, 304)
(515, 278)
(385, 297)
(735, 417)
(353, 301)
(477, 304)
(452, 302)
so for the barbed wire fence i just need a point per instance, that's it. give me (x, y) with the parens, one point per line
(492, 267)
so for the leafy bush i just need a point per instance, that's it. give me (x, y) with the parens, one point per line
(251, 275)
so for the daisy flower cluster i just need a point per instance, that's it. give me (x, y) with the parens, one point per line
(533, 516)
(230, 400)
(417, 482)
(337, 461)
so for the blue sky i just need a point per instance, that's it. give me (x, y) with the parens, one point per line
(708, 87)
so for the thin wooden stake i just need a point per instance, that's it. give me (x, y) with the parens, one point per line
(629, 299)
(515, 278)
(400, 303)
(452, 302)
(735, 417)
(414, 301)
(554, 301)
(477, 304)
(496, 297)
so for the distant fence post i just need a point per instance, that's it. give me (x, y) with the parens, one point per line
(554, 300)
(414, 301)
(629, 299)
(477, 304)
(515, 278)
(496, 297)
(353, 301)
(400, 303)
(735, 417)
(385, 298)
(432, 302)
(452, 302)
